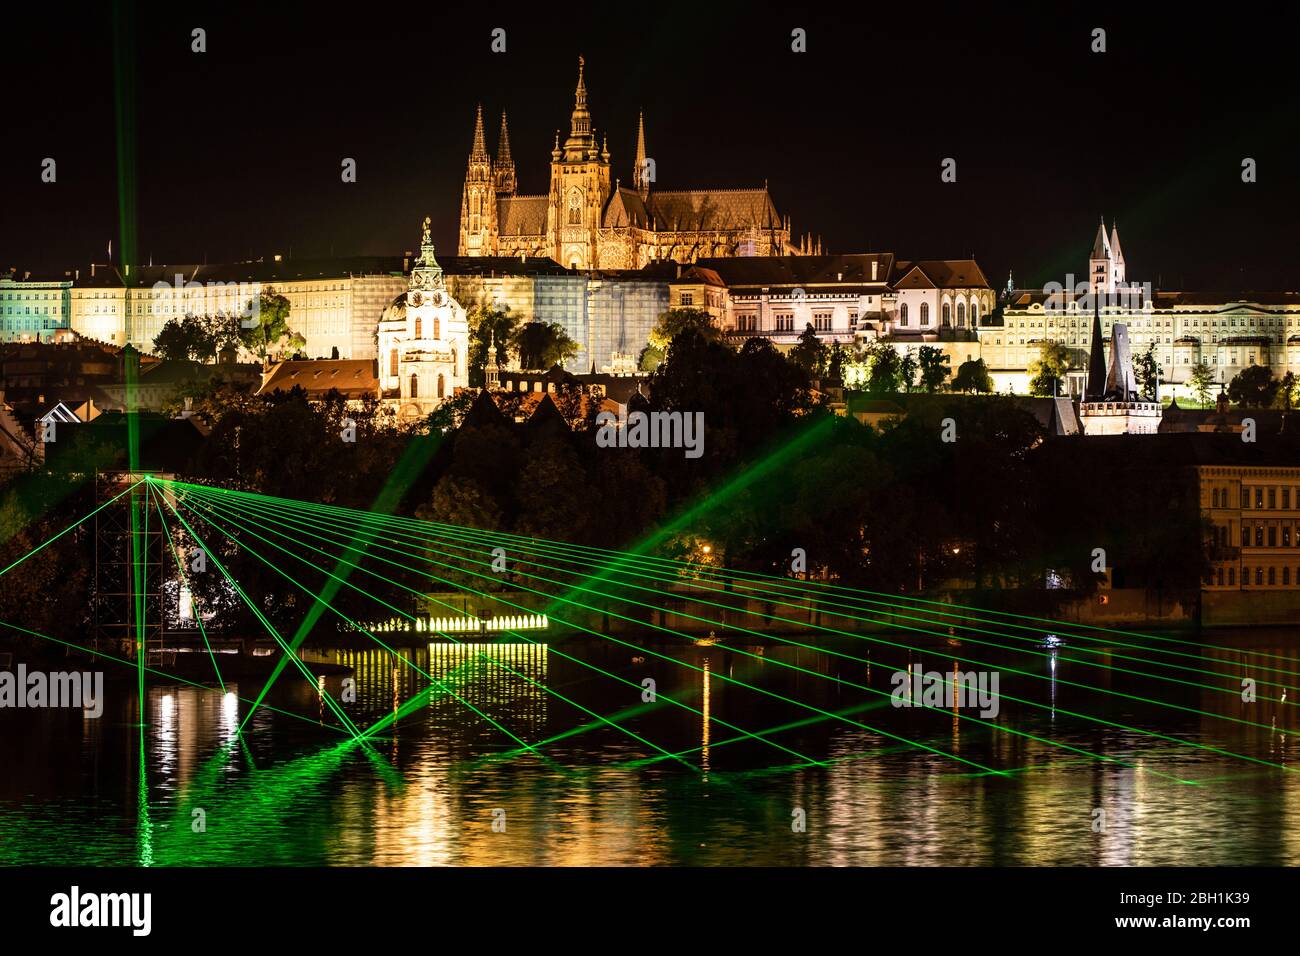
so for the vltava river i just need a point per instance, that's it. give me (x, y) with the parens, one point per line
(1087, 765)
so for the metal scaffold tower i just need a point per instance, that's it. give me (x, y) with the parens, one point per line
(129, 549)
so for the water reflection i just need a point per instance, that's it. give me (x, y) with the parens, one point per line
(444, 784)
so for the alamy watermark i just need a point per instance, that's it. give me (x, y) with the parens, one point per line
(98, 910)
(1084, 296)
(652, 430)
(61, 689)
(967, 690)
(241, 299)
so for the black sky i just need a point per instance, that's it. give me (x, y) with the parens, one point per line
(239, 149)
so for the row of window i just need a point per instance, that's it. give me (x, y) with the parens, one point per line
(1261, 536)
(1256, 497)
(711, 299)
(903, 319)
(1262, 577)
(415, 386)
(1246, 322)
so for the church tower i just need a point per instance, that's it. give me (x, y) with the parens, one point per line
(504, 172)
(478, 210)
(423, 341)
(1106, 273)
(580, 188)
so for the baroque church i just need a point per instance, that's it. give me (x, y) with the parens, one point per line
(589, 220)
(423, 341)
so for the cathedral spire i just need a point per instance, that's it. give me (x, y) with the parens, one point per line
(503, 145)
(479, 153)
(580, 94)
(478, 207)
(580, 139)
(641, 172)
(504, 170)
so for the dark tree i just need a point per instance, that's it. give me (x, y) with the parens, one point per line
(542, 345)
(973, 376)
(1253, 387)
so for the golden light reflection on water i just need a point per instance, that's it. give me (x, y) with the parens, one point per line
(875, 802)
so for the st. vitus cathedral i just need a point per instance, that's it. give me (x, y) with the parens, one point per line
(589, 220)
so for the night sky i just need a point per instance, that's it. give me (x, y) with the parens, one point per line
(238, 150)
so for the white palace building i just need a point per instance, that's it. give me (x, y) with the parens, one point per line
(1229, 332)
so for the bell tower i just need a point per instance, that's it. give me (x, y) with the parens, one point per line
(580, 187)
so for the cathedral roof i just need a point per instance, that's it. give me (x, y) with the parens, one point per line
(522, 215)
(699, 210)
(626, 208)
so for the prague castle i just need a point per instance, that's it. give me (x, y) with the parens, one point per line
(589, 220)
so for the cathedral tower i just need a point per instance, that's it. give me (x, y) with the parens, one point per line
(478, 211)
(505, 165)
(580, 188)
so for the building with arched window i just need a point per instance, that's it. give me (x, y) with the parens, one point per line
(424, 334)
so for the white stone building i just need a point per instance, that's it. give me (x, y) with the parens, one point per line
(423, 341)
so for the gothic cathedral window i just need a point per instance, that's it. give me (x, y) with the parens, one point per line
(925, 313)
(575, 208)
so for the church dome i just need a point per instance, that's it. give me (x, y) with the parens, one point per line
(395, 311)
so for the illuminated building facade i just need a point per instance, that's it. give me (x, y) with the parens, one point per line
(847, 299)
(33, 310)
(334, 304)
(1228, 332)
(1254, 514)
(608, 313)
